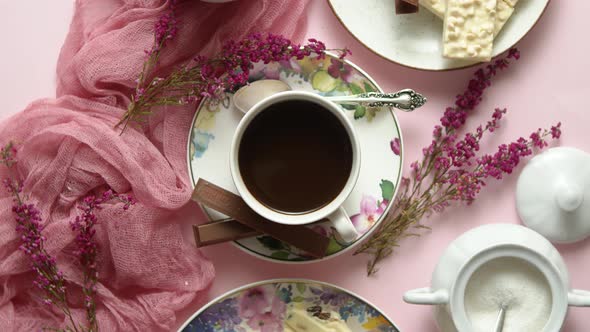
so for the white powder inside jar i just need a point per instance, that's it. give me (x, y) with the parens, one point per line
(517, 285)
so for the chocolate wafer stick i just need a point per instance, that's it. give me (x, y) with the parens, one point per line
(234, 206)
(406, 6)
(223, 230)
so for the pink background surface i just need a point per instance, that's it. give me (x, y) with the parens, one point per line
(546, 86)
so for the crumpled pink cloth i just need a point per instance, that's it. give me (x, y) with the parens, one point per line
(68, 147)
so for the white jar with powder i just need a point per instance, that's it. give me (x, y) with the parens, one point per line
(496, 265)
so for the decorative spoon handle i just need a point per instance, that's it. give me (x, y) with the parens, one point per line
(500, 320)
(406, 100)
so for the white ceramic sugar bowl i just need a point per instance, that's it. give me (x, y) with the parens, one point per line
(480, 245)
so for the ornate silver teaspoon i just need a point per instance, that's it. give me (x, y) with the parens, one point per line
(500, 320)
(405, 100)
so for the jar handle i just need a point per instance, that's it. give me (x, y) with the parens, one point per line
(427, 296)
(579, 298)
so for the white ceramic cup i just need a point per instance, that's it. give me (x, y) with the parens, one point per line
(333, 210)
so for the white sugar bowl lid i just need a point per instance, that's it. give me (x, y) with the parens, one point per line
(553, 194)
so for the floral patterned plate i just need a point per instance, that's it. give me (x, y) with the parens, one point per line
(377, 128)
(264, 306)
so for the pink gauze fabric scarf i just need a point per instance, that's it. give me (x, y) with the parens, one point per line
(68, 147)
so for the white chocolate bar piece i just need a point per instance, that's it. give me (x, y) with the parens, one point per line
(468, 29)
(504, 9)
(299, 320)
(503, 13)
(511, 3)
(437, 7)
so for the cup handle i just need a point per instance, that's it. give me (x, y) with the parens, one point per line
(578, 298)
(427, 296)
(343, 225)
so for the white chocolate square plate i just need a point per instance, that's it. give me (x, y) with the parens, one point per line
(415, 40)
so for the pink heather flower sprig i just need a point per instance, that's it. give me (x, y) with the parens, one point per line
(452, 169)
(165, 30)
(8, 154)
(211, 77)
(87, 247)
(204, 76)
(49, 279)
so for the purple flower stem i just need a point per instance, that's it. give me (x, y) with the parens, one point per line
(450, 169)
(87, 247)
(49, 279)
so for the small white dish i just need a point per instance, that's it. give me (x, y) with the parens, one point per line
(415, 40)
(553, 194)
(473, 249)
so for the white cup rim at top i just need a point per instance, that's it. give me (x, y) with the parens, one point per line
(300, 218)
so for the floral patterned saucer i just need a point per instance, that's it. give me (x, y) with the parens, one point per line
(264, 306)
(380, 137)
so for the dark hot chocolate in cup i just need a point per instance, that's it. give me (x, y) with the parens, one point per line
(295, 156)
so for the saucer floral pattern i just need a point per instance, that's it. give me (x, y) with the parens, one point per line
(209, 142)
(264, 308)
(371, 208)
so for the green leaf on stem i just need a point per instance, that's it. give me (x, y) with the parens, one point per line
(322, 81)
(359, 112)
(355, 89)
(369, 87)
(387, 189)
(333, 246)
(301, 287)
